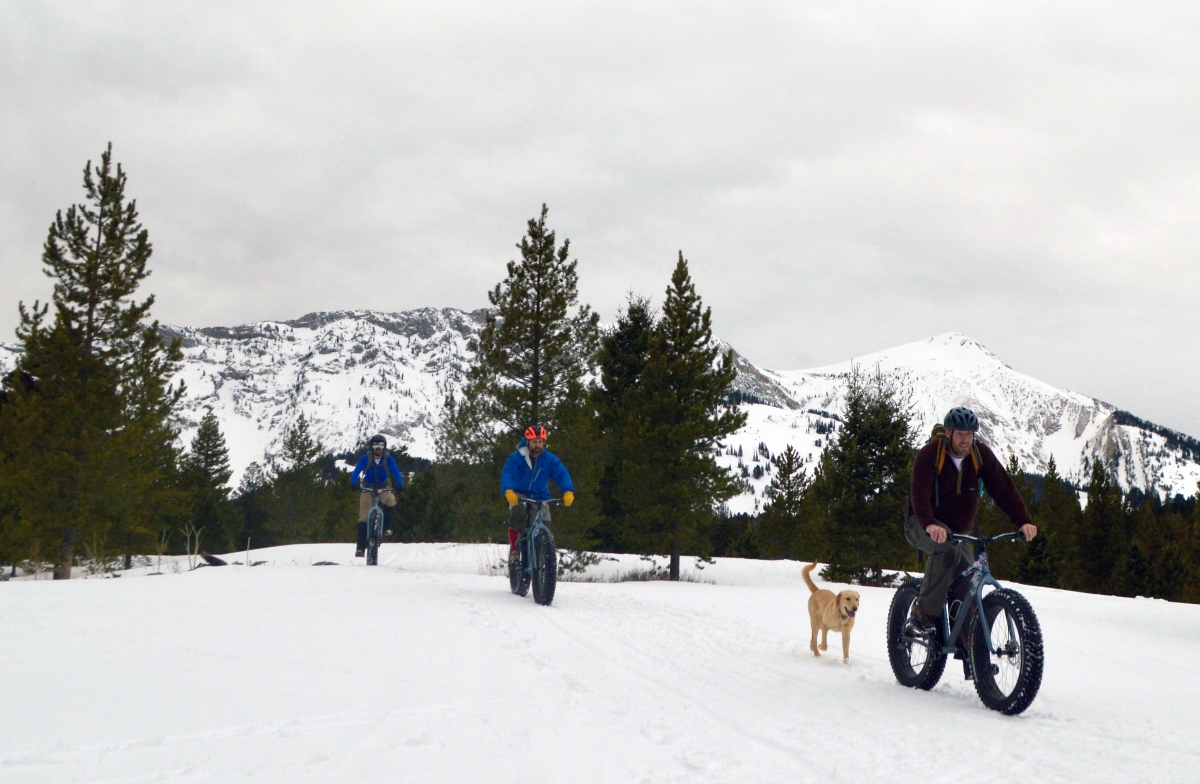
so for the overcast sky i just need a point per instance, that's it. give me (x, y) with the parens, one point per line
(843, 177)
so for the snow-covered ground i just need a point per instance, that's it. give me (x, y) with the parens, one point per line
(427, 669)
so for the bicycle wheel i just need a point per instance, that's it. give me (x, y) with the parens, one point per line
(1008, 678)
(545, 577)
(374, 535)
(518, 579)
(914, 665)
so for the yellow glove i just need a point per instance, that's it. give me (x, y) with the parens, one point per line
(511, 497)
(568, 498)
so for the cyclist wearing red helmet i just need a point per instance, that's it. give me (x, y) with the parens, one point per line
(527, 474)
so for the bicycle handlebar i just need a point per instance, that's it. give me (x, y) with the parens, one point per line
(551, 501)
(1015, 535)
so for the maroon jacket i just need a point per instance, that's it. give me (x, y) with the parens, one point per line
(956, 500)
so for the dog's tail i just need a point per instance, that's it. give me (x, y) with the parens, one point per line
(811, 585)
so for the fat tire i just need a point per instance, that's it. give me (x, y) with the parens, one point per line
(930, 672)
(374, 534)
(1029, 647)
(518, 578)
(545, 577)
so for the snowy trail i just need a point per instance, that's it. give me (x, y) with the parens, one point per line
(426, 670)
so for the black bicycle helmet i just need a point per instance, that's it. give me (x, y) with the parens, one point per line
(961, 418)
(378, 439)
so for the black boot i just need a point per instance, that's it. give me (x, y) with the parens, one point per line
(362, 540)
(920, 622)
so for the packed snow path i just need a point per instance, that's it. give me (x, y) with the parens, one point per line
(427, 670)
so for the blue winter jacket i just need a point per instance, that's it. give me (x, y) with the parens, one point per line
(530, 478)
(374, 474)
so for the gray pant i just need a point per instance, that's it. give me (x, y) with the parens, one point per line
(520, 516)
(946, 561)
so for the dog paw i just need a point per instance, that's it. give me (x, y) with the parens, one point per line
(824, 647)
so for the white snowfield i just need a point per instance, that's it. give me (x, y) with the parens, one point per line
(427, 669)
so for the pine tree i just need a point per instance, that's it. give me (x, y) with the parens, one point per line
(209, 455)
(534, 353)
(1161, 540)
(297, 504)
(1005, 559)
(1059, 519)
(97, 404)
(1103, 533)
(860, 486)
(208, 474)
(1191, 559)
(624, 354)
(670, 480)
(782, 533)
(1133, 576)
(534, 357)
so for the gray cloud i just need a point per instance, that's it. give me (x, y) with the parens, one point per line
(843, 177)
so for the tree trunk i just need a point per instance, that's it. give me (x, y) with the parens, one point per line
(63, 570)
(675, 560)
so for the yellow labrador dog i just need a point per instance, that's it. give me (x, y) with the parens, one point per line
(830, 612)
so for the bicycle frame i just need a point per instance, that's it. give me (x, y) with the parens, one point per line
(979, 575)
(527, 537)
(375, 538)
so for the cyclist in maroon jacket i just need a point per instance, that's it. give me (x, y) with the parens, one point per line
(949, 475)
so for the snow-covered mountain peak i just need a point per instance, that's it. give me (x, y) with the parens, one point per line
(1019, 415)
(357, 372)
(951, 350)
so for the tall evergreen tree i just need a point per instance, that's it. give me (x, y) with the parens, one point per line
(1005, 560)
(1191, 589)
(1103, 535)
(1160, 538)
(208, 474)
(534, 357)
(860, 486)
(98, 404)
(782, 532)
(624, 354)
(1059, 518)
(534, 353)
(669, 480)
(296, 504)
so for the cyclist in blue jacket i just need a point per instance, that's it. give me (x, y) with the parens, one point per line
(527, 474)
(377, 469)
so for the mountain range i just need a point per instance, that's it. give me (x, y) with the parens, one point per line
(355, 373)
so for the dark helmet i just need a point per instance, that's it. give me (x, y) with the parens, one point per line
(378, 439)
(535, 432)
(961, 418)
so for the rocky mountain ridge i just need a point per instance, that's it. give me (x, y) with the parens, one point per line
(353, 373)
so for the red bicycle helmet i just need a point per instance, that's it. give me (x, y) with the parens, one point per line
(535, 432)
